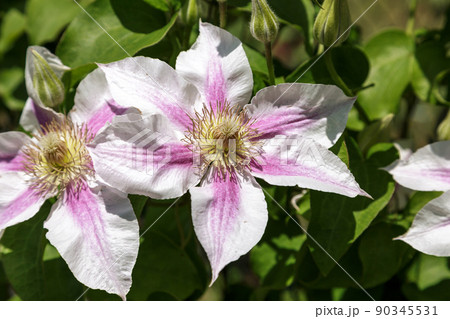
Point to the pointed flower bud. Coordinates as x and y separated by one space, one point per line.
43 73
189 13
264 22
443 130
332 22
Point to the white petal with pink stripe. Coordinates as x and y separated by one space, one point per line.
144 157
229 218
428 169
217 65
430 231
316 111
97 234
290 161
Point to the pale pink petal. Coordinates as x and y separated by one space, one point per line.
97 234
290 161
34 116
430 231
11 156
428 169
18 202
218 67
144 157
94 104
315 111
229 218
152 86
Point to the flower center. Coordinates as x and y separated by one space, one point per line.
57 157
223 140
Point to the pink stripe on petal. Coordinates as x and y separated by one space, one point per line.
428 169
215 83
11 145
217 65
96 232
314 111
223 213
229 218
305 163
20 208
84 208
12 163
284 121
34 116
144 157
173 111
152 86
104 115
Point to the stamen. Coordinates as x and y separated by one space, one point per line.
224 140
57 157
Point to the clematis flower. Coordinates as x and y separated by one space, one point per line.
428 169
199 135
92 225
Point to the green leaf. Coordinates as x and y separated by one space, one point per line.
428 271
337 221
60 284
351 64
47 18
22 251
166 5
257 60
431 59
419 200
85 42
273 260
162 266
391 56
428 278
10 80
12 27
381 256
138 202
138 16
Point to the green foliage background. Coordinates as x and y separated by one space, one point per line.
399 68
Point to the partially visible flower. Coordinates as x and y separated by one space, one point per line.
264 23
200 131
332 22
92 225
43 74
428 169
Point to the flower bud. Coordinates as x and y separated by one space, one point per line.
332 22
189 13
264 22
443 130
43 73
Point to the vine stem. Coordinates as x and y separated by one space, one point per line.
339 82
269 60
223 14
412 17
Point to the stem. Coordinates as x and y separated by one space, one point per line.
223 14
412 17
269 61
187 37
339 82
